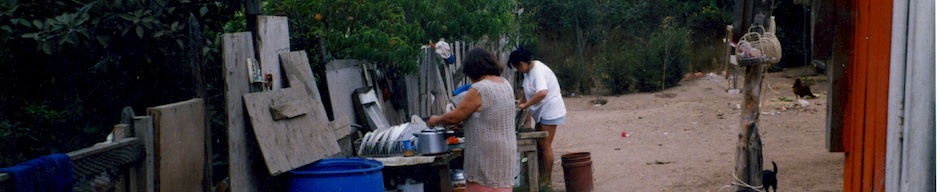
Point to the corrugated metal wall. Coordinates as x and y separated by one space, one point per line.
911 152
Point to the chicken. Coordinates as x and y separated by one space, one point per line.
802 90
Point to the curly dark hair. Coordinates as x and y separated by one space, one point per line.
519 55
479 62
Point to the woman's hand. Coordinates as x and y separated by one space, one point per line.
434 120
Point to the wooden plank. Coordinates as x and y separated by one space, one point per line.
296 66
521 142
424 89
411 94
837 89
840 118
441 95
341 127
725 58
448 78
237 48
179 126
878 97
101 148
862 63
143 130
121 131
855 115
289 109
532 135
273 38
290 143
533 169
343 77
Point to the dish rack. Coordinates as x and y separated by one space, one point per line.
388 142
758 47
381 148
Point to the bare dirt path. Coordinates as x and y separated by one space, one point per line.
686 143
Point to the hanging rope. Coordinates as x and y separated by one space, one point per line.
759 188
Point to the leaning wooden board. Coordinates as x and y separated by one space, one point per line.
273 38
237 48
178 131
289 143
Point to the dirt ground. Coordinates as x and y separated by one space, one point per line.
686 143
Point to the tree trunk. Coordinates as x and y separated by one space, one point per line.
749 156
253 9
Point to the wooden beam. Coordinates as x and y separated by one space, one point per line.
143 172
749 155
101 148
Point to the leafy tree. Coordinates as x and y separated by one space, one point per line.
620 37
70 66
391 32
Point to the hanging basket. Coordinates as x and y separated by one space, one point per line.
758 47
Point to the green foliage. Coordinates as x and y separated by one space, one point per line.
391 32
640 67
666 61
70 66
627 42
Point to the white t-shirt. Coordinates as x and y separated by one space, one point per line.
542 78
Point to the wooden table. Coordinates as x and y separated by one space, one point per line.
526 143
441 162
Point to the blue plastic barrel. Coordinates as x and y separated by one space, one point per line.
338 174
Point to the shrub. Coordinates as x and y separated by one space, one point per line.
648 66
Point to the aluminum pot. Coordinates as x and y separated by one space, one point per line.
431 141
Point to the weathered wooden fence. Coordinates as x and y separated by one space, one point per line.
165 148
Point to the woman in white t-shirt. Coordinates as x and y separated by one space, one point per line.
543 99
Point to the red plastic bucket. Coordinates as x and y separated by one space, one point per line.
579 172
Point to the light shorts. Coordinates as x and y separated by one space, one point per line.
558 121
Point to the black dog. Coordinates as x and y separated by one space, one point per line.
770 178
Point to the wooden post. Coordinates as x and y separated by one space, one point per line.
749 156
729 30
142 175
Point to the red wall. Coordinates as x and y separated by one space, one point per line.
867 104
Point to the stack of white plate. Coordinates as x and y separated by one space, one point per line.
388 142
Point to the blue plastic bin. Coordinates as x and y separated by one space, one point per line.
339 174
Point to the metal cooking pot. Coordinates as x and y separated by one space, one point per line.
431 141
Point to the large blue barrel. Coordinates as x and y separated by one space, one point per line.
338 174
